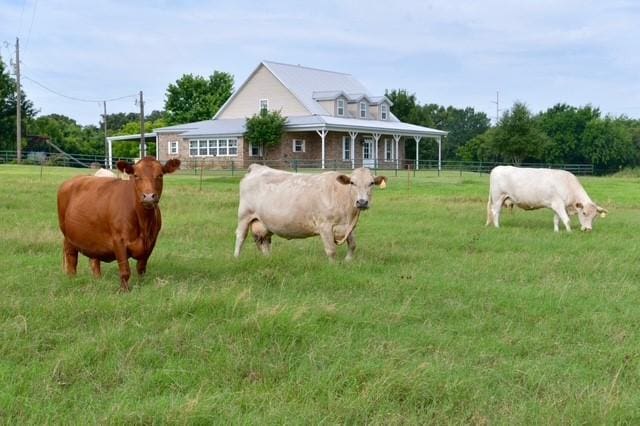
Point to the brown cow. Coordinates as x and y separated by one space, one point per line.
113 219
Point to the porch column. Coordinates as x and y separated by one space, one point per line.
376 137
322 133
417 138
353 148
157 148
110 152
396 139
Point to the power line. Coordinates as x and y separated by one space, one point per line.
73 98
33 17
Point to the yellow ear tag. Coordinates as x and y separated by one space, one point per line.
383 185
603 215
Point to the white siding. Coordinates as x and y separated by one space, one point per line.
263 85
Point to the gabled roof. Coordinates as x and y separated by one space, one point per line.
309 85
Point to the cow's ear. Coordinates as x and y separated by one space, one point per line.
579 206
381 181
603 212
171 166
125 167
344 179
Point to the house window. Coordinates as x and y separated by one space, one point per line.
363 110
340 107
255 150
298 145
233 147
202 148
264 106
389 150
213 147
384 112
173 147
346 148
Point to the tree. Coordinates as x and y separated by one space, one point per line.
195 98
265 128
67 134
565 126
518 136
8 104
608 144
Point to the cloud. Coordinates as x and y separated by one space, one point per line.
450 52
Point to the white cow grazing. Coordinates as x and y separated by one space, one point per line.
532 189
105 173
293 205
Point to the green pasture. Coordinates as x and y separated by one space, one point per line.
437 320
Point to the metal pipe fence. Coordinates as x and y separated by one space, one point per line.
218 166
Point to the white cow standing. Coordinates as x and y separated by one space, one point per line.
531 189
293 205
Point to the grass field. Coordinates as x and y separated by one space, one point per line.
437 320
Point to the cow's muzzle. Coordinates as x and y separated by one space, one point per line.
149 201
362 204
585 229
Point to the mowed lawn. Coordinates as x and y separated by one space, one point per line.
437 320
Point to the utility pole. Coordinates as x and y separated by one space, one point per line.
497 102
18 105
104 123
143 150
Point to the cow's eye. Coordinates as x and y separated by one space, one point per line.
372 183
352 183
136 176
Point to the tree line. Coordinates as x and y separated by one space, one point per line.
563 134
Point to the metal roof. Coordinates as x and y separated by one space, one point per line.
236 126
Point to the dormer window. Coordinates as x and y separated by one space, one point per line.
384 112
340 107
363 110
264 106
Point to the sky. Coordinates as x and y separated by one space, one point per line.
448 52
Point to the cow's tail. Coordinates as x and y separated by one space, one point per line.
489 213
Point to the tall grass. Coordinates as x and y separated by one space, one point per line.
437 320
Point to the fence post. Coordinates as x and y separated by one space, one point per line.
231 168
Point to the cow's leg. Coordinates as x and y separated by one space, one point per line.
241 234
95 267
123 265
262 237
495 211
560 213
141 266
329 242
489 213
70 258
263 242
351 243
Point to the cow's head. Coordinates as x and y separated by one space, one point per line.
361 183
587 214
147 178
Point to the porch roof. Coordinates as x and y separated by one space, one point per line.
236 127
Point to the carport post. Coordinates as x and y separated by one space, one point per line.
110 152
417 138
439 154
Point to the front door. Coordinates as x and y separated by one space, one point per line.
367 153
